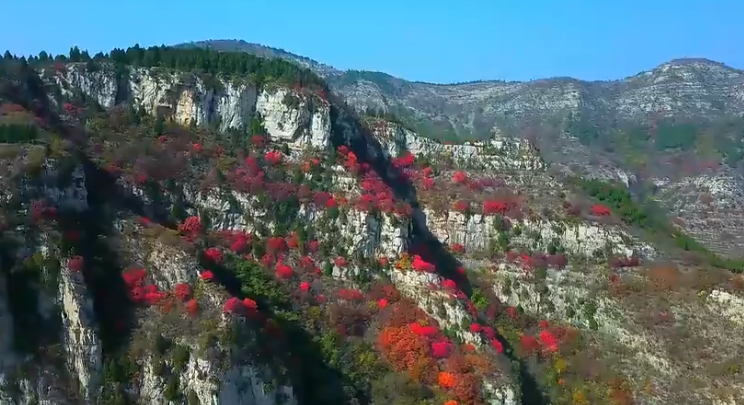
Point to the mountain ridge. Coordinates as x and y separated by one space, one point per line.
682 120
696 88
217 44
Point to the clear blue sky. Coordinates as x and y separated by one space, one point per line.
435 40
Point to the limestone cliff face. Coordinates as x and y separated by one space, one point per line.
63 301
81 342
475 232
303 122
288 115
206 375
77 378
630 324
500 154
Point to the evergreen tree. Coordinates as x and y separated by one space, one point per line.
75 55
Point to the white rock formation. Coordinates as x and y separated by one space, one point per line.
81 343
187 99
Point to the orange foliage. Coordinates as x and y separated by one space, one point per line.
402 347
403 344
446 380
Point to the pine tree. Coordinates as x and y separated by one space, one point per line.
75 55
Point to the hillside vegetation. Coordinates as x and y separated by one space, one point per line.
247 238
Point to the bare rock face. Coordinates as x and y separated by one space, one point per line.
82 344
288 115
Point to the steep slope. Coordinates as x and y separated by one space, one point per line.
680 123
191 238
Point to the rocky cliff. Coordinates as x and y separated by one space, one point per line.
681 87
606 130
328 259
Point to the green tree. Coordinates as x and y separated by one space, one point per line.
75 55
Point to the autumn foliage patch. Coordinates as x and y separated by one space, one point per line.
411 342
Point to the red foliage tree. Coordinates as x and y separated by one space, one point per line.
273 157
441 349
404 313
549 341
182 291
192 226
233 306
214 255
461 206
467 388
459 178
192 307
283 271
494 207
76 263
350 294
497 345
420 265
206 275
600 210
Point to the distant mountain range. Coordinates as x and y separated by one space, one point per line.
688 88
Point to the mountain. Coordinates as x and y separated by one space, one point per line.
182 226
675 133
682 88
